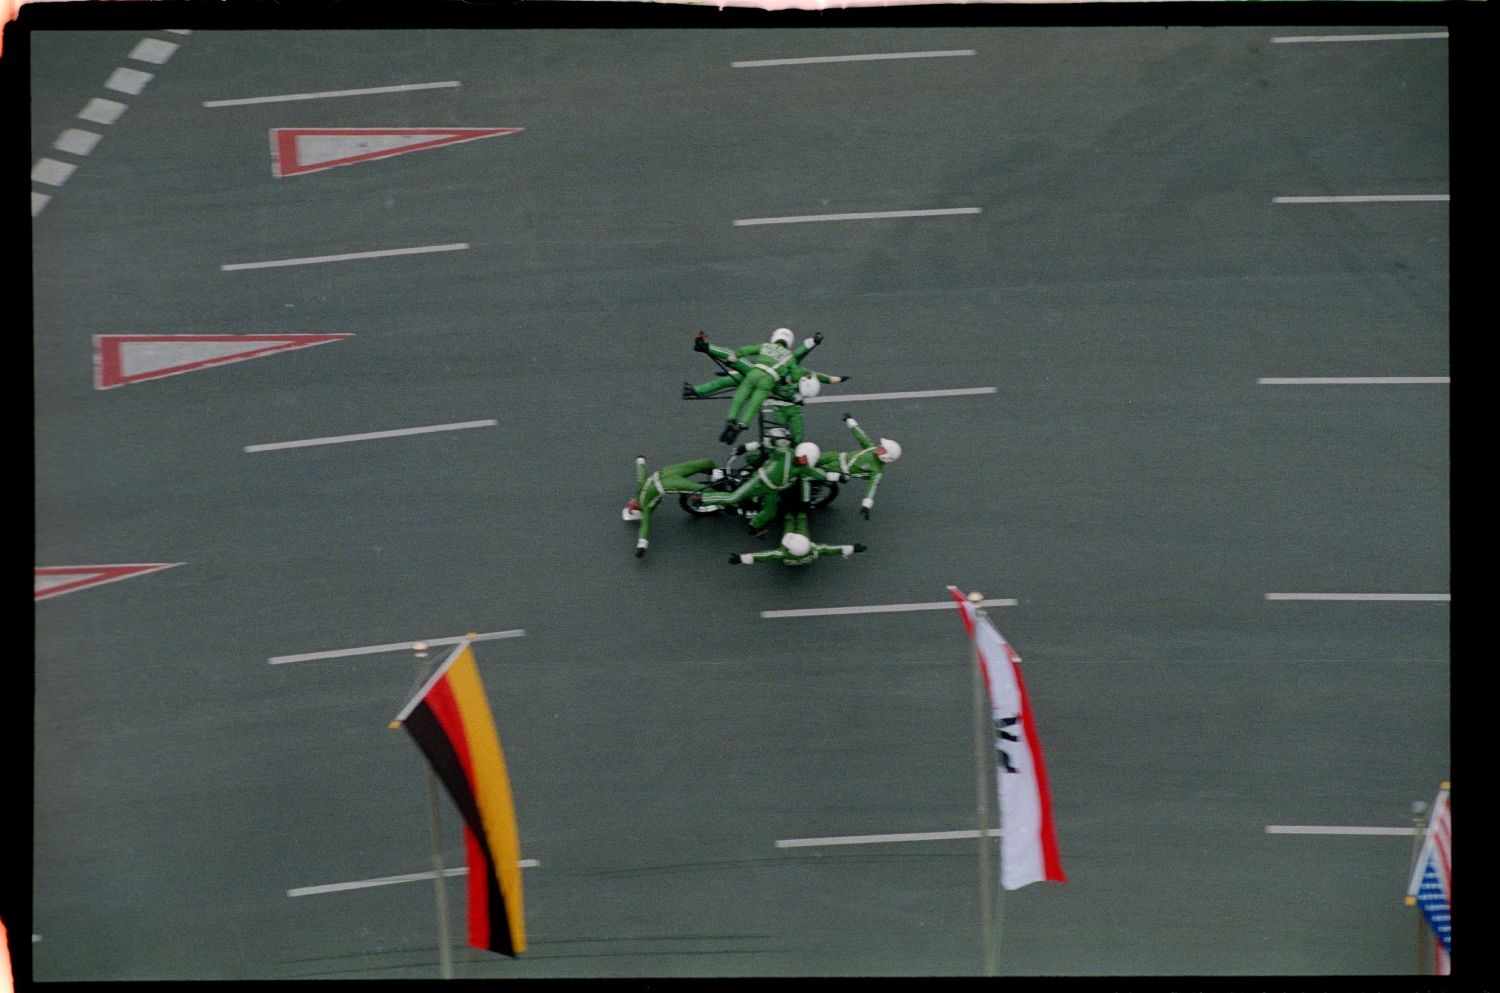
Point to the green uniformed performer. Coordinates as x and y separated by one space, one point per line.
785 398
782 468
675 478
762 367
797 547
868 462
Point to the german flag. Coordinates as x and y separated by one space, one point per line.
450 721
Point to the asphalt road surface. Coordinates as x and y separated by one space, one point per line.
1085 274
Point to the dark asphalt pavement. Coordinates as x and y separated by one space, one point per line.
1129 483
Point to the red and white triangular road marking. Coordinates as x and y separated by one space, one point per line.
131 358
59 579
298 150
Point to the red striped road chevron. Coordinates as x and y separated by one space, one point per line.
295 151
120 359
56 580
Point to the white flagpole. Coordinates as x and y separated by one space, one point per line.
1418 809
440 885
445 953
984 776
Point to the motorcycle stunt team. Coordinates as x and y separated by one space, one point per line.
784 465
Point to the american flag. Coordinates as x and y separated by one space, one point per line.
1431 886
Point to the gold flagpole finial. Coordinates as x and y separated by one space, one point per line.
976 597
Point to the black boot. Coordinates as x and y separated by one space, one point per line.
688 393
731 431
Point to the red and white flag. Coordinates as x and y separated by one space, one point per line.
1431 885
1028 841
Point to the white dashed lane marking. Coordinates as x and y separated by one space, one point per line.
410 877
878 839
1354 381
759 63
329 94
371 435
345 257
882 608
1365 597
868 216
399 646
906 395
99 110
1362 198
1412 36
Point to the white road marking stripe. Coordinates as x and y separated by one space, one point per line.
1317 829
51 172
1418 597
1390 198
398 646
875 215
875 839
315 259
131 81
908 395
850 58
884 608
39 202
76 141
101 111
410 877
327 94
1353 381
1286 39
153 50
397 433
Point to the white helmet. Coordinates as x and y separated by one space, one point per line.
892 450
783 336
798 544
807 450
778 435
809 386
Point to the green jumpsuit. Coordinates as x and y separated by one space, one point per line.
795 523
784 399
863 464
762 366
675 478
779 472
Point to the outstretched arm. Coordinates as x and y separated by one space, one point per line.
808 344
725 355
858 432
869 501
750 558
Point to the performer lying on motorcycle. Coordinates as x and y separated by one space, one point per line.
786 396
675 478
796 548
867 463
783 468
761 368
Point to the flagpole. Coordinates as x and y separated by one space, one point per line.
445 953
983 769
439 878
1418 808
